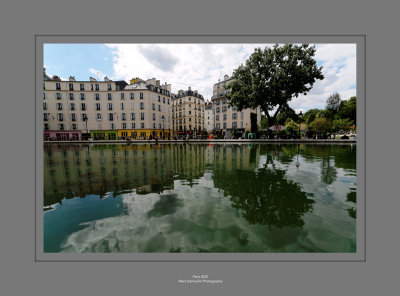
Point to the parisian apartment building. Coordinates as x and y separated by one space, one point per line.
208 117
228 119
188 112
106 109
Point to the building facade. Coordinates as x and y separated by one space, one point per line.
209 117
106 109
228 121
188 112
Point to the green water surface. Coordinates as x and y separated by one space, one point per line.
199 198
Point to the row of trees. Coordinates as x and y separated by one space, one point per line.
338 116
271 77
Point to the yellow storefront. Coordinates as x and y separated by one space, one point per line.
144 134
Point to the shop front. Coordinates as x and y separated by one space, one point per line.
104 135
62 135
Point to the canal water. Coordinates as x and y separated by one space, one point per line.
190 198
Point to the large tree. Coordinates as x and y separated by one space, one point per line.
271 77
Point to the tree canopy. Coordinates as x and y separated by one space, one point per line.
271 77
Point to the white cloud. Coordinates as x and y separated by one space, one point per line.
201 65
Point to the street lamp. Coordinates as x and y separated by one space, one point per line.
300 116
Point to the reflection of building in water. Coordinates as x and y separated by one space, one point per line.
79 170
189 161
234 157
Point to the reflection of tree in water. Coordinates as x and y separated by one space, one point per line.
352 197
265 197
328 171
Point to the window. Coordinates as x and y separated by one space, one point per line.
83 106
224 116
142 125
132 96
73 117
45 116
234 108
98 116
154 106
133 125
61 126
168 101
190 112
159 125
110 116
44 96
71 96
132 106
59 106
60 117
110 107
159 107
154 125
109 96
44 106
154 116
99 126
71 86
123 116
44 85
84 117
217 117
73 126
58 96
234 115
82 86
108 86
141 96
98 106
234 124
122 96
241 115
241 124
72 106
141 105
163 100
97 97
133 116
122 106
112 126
58 86
159 99
217 110
97 86
141 116
190 105
124 125
224 125
223 108
82 96
46 126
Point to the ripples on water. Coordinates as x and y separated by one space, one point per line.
200 198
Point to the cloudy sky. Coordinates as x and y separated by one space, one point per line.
196 65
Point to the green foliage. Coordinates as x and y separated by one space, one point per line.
342 124
309 116
291 127
320 125
285 114
264 122
333 103
271 77
321 114
348 109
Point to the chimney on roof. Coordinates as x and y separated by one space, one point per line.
189 88
92 79
106 79
72 78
